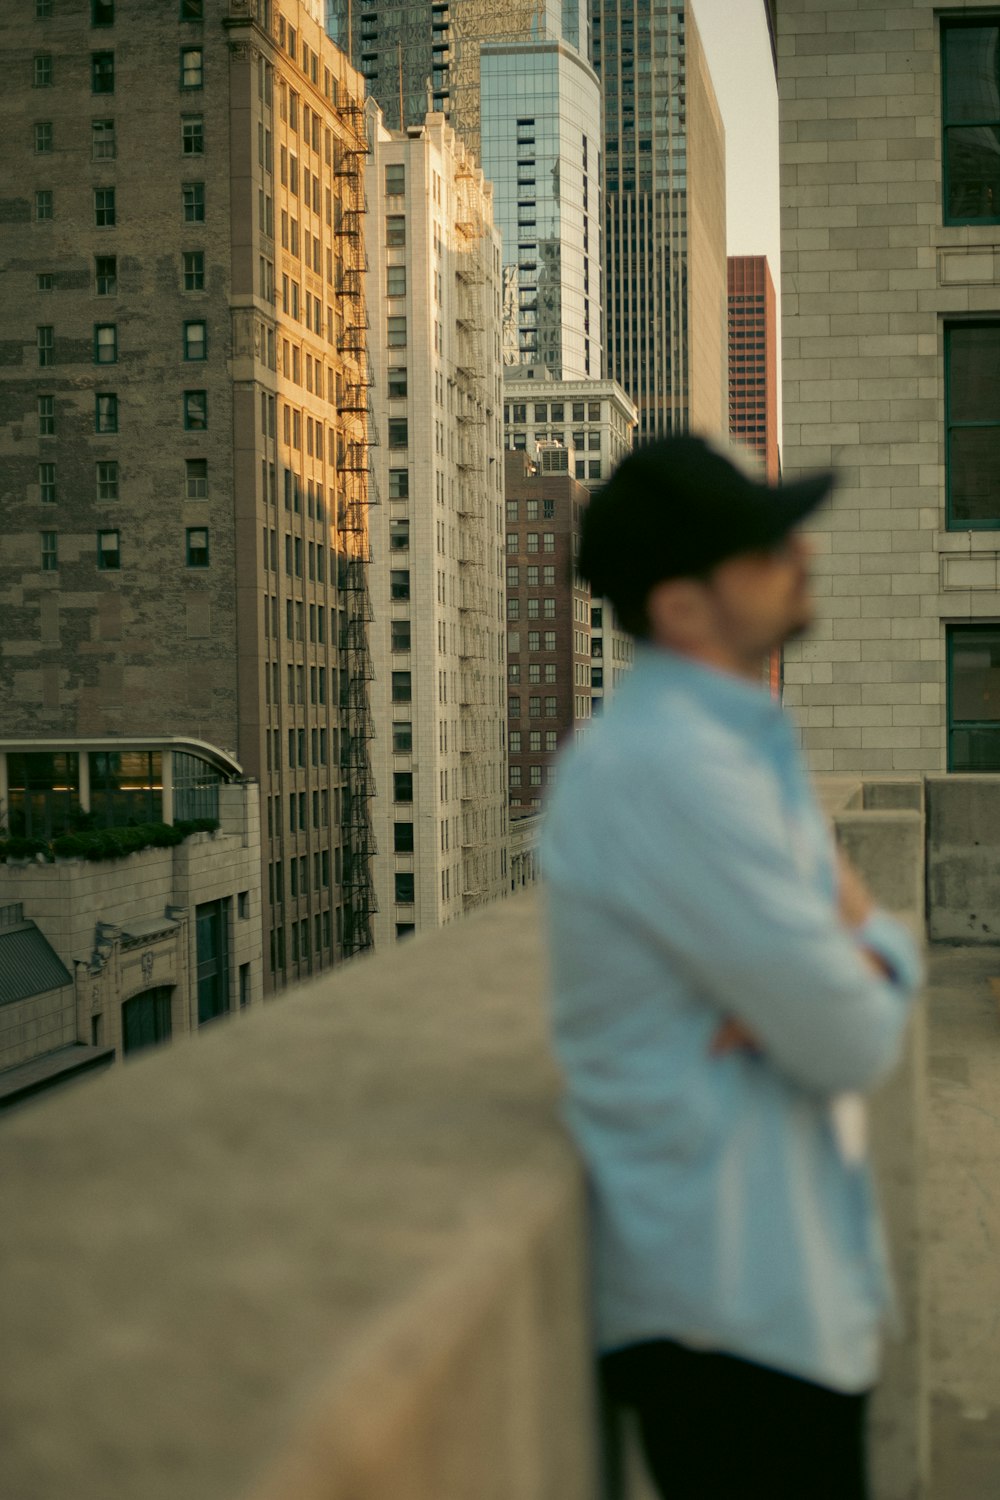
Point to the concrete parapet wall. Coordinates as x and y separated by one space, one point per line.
334 1251
963 858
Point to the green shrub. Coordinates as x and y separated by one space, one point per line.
107 843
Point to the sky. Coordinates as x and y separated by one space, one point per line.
734 35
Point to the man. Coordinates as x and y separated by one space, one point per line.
724 991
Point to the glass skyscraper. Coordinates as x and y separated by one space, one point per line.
512 78
541 148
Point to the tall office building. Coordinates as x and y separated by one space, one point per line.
540 111
514 81
753 360
665 215
437 536
184 434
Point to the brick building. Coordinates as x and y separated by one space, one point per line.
183 416
548 625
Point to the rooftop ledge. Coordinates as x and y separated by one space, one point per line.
334 1248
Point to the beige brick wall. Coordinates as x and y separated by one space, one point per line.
868 273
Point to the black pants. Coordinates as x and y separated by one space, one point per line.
718 1428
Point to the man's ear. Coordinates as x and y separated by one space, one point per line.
676 611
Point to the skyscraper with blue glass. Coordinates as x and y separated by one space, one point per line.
514 80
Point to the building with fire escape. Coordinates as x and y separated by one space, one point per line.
186 430
437 581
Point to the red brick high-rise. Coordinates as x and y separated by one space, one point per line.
753 359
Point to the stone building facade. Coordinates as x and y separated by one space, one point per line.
152 945
182 443
891 319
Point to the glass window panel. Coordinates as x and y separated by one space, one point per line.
974 475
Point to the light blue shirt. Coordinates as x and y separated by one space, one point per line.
690 877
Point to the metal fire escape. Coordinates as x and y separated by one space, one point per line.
470 412
356 436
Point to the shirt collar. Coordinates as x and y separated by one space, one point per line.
736 698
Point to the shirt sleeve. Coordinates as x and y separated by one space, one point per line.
703 855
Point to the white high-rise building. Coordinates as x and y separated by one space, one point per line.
438 642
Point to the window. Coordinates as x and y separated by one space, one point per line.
50 551
192 10
515 775
105 343
193 135
102 139
397 382
513 575
195 411
550 640
395 332
972 415
550 708
398 432
43 137
402 786
43 10
399 535
102 12
399 635
402 689
192 68
193 264
197 546
194 340
973 699
970 115
105 412
534 638
193 197
107 480
514 708
102 72
395 230
549 541
43 204
44 281
45 335
106 275
395 179
399 583
104 208
42 71
395 281
532 542
46 416
402 840
399 484
196 478
47 483
109 557
402 737
404 887
512 510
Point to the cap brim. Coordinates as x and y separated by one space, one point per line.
789 504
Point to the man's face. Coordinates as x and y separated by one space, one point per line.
762 599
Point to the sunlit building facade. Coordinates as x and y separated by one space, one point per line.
184 440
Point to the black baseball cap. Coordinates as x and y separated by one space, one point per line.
675 508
